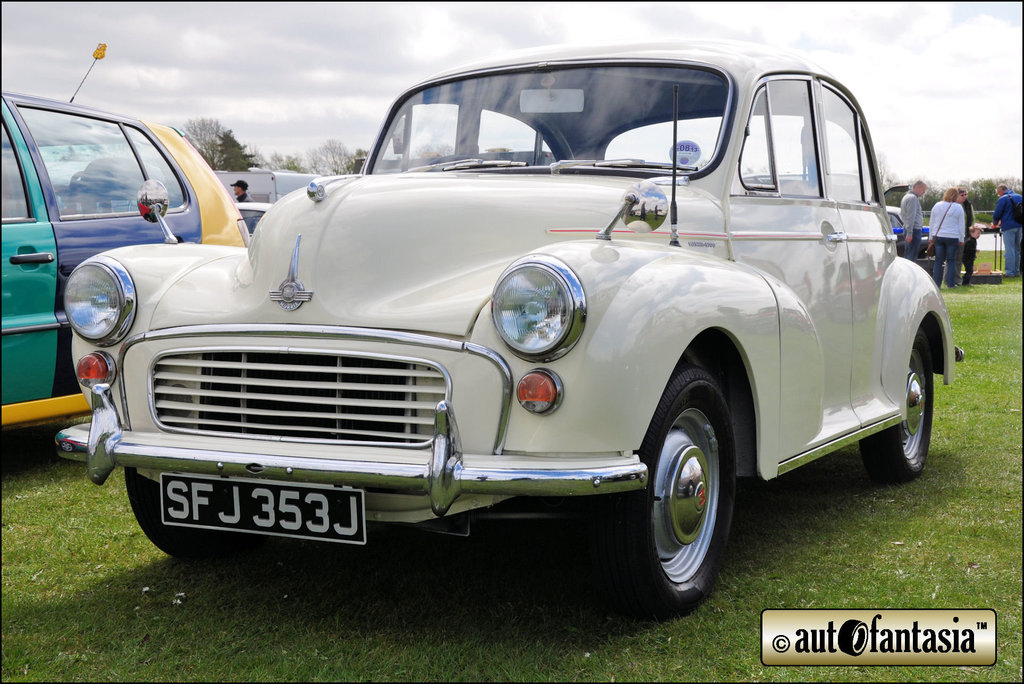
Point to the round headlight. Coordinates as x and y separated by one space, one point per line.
99 300
539 308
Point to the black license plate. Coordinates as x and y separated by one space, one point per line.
307 511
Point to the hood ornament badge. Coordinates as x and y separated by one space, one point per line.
291 295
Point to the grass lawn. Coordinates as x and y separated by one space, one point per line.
87 597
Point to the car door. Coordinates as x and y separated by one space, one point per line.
29 276
782 223
850 181
90 167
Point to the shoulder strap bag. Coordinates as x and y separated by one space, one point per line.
932 234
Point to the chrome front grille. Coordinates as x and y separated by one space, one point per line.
303 396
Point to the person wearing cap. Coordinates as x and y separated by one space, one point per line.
241 191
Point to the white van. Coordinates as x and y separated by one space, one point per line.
265 185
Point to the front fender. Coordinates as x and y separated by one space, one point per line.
645 305
156 269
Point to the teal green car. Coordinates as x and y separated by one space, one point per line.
70 179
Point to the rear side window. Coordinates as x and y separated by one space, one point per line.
842 145
15 203
156 167
92 166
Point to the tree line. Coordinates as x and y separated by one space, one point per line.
980 192
223 151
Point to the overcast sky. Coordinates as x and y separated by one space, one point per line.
940 83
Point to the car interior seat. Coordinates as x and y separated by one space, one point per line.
106 185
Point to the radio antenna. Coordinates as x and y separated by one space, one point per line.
99 53
673 216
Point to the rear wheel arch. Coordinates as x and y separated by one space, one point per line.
898 453
933 331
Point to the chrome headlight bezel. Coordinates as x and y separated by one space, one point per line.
104 277
570 300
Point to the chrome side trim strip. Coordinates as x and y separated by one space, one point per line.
829 447
33 328
779 235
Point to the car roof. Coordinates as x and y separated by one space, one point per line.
30 100
737 57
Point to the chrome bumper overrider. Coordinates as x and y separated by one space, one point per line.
442 479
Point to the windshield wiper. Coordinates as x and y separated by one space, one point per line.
615 163
462 164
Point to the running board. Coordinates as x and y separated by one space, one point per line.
828 447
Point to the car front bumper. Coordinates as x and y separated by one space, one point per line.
443 477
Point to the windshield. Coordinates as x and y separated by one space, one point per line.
547 115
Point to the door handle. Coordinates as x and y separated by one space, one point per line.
838 236
33 258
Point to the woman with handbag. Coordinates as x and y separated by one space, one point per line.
946 236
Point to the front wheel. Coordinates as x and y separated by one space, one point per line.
182 542
897 454
658 551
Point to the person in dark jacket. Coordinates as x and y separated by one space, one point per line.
1002 218
241 191
970 252
968 222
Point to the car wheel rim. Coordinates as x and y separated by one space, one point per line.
686 495
916 400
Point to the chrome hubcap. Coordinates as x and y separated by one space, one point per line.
686 495
917 402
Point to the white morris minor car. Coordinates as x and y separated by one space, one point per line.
619 277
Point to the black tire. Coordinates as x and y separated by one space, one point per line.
656 554
898 453
182 542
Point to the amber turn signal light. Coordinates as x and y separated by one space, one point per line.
540 391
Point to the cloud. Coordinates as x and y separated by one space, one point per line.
940 94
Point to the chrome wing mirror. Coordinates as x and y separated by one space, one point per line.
153 202
644 208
